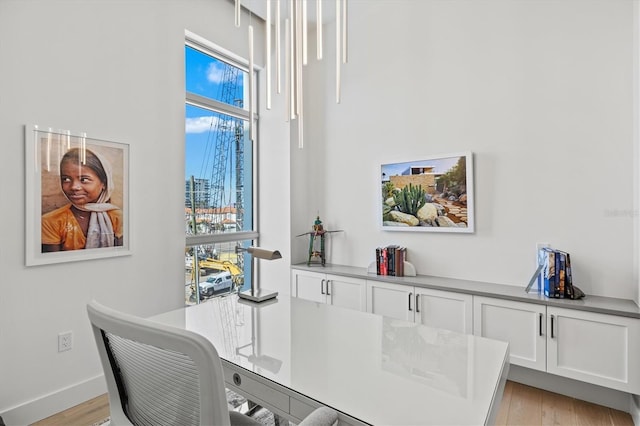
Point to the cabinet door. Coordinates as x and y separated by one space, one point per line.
390 300
596 348
520 324
308 285
346 292
444 309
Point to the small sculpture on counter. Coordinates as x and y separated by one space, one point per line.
316 243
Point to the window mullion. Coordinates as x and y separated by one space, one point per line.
212 104
194 240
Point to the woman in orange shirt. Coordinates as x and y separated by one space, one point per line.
90 220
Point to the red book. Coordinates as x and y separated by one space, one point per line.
385 262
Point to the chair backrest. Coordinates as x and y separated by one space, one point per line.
156 374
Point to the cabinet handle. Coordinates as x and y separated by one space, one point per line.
417 303
322 286
328 284
552 336
540 326
410 297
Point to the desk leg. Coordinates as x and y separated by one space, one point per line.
280 421
252 408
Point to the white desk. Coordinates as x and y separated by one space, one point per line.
293 355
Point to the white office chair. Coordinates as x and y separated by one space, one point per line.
162 375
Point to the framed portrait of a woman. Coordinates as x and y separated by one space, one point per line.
77 198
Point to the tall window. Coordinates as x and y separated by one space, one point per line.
219 196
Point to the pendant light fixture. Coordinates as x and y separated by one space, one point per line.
293 56
251 83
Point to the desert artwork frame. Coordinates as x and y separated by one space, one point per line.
429 194
50 207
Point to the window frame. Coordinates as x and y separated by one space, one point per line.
206 47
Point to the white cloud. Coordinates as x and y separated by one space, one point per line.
215 73
200 124
208 123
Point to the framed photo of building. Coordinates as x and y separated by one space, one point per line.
430 194
77 197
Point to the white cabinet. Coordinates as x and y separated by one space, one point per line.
308 285
435 308
390 300
591 347
445 309
331 289
596 348
521 324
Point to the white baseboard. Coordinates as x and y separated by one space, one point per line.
47 405
576 389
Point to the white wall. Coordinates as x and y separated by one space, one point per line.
115 70
540 91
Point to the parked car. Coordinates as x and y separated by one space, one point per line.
216 284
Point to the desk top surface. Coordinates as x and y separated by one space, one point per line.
377 369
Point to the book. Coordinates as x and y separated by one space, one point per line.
549 272
393 259
556 276
561 273
384 262
390 260
568 277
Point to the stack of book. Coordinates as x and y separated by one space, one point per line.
557 281
390 260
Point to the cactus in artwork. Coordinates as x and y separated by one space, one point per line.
387 190
410 199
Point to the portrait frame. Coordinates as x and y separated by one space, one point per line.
44 149
444 182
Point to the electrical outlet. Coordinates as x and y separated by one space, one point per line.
65 341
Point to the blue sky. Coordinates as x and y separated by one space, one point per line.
203 75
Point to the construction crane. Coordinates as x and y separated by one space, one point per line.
229 133
226 130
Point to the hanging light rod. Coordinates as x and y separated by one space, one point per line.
292 55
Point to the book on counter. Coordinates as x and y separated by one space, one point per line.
390 260
549 271
556 273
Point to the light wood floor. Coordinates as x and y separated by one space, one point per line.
526 405
521 405
86 414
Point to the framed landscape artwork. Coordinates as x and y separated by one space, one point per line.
430 194
77 197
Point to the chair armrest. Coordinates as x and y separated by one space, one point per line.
323 416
